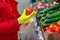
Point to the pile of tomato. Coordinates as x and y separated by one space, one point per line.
53 28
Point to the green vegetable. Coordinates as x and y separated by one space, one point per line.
45 14
57 14
47 24
43 18
53 11
51 8
52 20
41 15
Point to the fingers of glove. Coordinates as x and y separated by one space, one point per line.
24 13
29 20
31 15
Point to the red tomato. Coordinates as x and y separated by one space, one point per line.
53 28
59 30
29 10
53 25
46 28
58 23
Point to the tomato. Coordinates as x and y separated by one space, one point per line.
59 30
29 10
46 28
58 23
53 25
53 28
49 29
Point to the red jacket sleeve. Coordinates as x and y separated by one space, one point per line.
9 27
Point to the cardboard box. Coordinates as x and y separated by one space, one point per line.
52 36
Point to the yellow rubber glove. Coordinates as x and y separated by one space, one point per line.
25 17
28 21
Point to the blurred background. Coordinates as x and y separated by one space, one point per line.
22 5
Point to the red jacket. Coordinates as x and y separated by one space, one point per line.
8 20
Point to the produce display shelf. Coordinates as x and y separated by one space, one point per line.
41 28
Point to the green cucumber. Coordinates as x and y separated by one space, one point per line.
41 15
50 12
43 18
45 25
40 12
51 8
57 14
48 24
53 11
52 20
49 15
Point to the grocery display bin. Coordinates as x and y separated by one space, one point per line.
41 28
